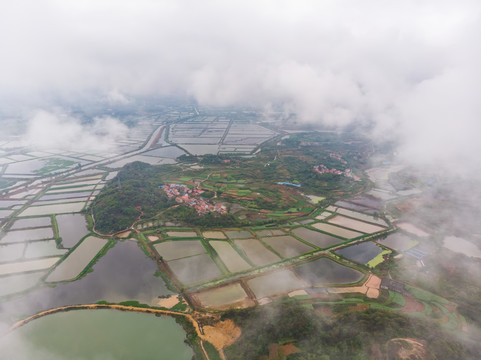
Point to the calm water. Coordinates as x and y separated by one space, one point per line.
124 273
361 253
97 334
72 228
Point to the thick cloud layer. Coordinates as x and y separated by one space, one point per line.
409 67
58 131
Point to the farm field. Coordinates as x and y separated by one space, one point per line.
323 271
77 260
231 259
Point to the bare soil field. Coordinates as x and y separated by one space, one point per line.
412 306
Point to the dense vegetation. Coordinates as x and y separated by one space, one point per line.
251 183
350 335
188 215
132 192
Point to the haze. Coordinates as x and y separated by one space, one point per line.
409 70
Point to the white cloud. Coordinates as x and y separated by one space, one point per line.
332 62
47 130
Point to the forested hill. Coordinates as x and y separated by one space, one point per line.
134 189
370 334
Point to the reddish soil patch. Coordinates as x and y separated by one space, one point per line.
412 306
288 349
450 308
222 334
359 307
376 353
277 352
406 349
325 311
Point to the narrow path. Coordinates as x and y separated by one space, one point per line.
116 307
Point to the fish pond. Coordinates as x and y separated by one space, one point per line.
361 253
171 250
257 253
336 230
355 224
316 237
222 296
77 260
71 228
232 260
53 209
195 269
324 271
275 283
287 246
398 241
124 273
26 235
32 222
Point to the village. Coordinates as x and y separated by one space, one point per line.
322 169
191 197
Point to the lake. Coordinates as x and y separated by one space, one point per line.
97 334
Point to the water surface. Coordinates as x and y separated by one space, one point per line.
97 334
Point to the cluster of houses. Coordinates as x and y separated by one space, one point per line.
322 169
190 197
337 157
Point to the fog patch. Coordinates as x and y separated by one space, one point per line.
49 130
